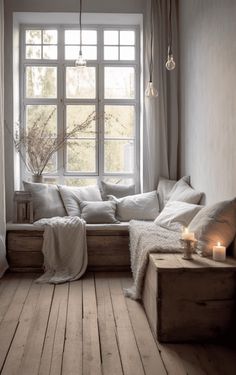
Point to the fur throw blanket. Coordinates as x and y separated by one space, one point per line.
145 238
64 249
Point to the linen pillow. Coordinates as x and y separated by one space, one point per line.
119 191
98 212
184 193
46 200
215 223
138 207
164 188
177 214
72 196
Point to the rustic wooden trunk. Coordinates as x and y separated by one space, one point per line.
189 300
107 250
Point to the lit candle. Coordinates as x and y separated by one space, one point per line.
219 252
186 235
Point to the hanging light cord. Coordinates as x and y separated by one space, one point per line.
151 57
80 24
170 27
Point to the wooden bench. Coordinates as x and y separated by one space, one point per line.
107 249
189 300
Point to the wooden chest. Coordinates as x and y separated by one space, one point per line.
189 300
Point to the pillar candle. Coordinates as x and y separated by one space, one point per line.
219 252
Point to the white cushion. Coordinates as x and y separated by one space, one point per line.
119 191
164 188
215 223
177 214
138 207
184 193
72 196
98 212
46 200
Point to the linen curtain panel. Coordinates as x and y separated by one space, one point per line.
3 262
160 131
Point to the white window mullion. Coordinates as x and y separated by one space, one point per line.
61 104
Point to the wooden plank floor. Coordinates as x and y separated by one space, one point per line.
88 327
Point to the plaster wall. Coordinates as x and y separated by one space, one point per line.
208 96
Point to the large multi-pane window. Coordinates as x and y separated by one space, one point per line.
53 88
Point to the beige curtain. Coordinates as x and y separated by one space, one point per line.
160 133
3 262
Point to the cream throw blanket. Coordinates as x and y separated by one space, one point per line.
148 238
64 249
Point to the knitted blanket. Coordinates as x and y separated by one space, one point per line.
146 238
64 249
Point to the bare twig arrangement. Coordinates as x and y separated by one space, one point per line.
37 144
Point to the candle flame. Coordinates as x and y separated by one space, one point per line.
218 243
185 230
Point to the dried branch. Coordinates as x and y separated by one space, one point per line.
37 144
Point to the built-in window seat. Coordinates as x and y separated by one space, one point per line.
108 246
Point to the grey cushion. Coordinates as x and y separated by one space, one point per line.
138 207
98 212
46 200
117 190
184 193
164 188
72 196
177 214
215 223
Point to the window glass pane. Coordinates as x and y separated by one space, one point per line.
50 36
111 53
81 82
50 52
119 83
73 181
81 156
119 180
89 37
89 52
33 52
127 37
71 52
51 166
119 156
127 53
43 118
72 36
119 121
41 82
33 37
41 125
111 37
78 114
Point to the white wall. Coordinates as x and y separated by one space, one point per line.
208 96
11 6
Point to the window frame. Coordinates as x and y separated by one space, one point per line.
61 101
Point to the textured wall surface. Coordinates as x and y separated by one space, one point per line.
208 96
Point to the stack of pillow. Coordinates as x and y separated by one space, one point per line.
174 204
179 205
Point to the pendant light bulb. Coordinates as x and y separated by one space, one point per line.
170 63
151 91
80 61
